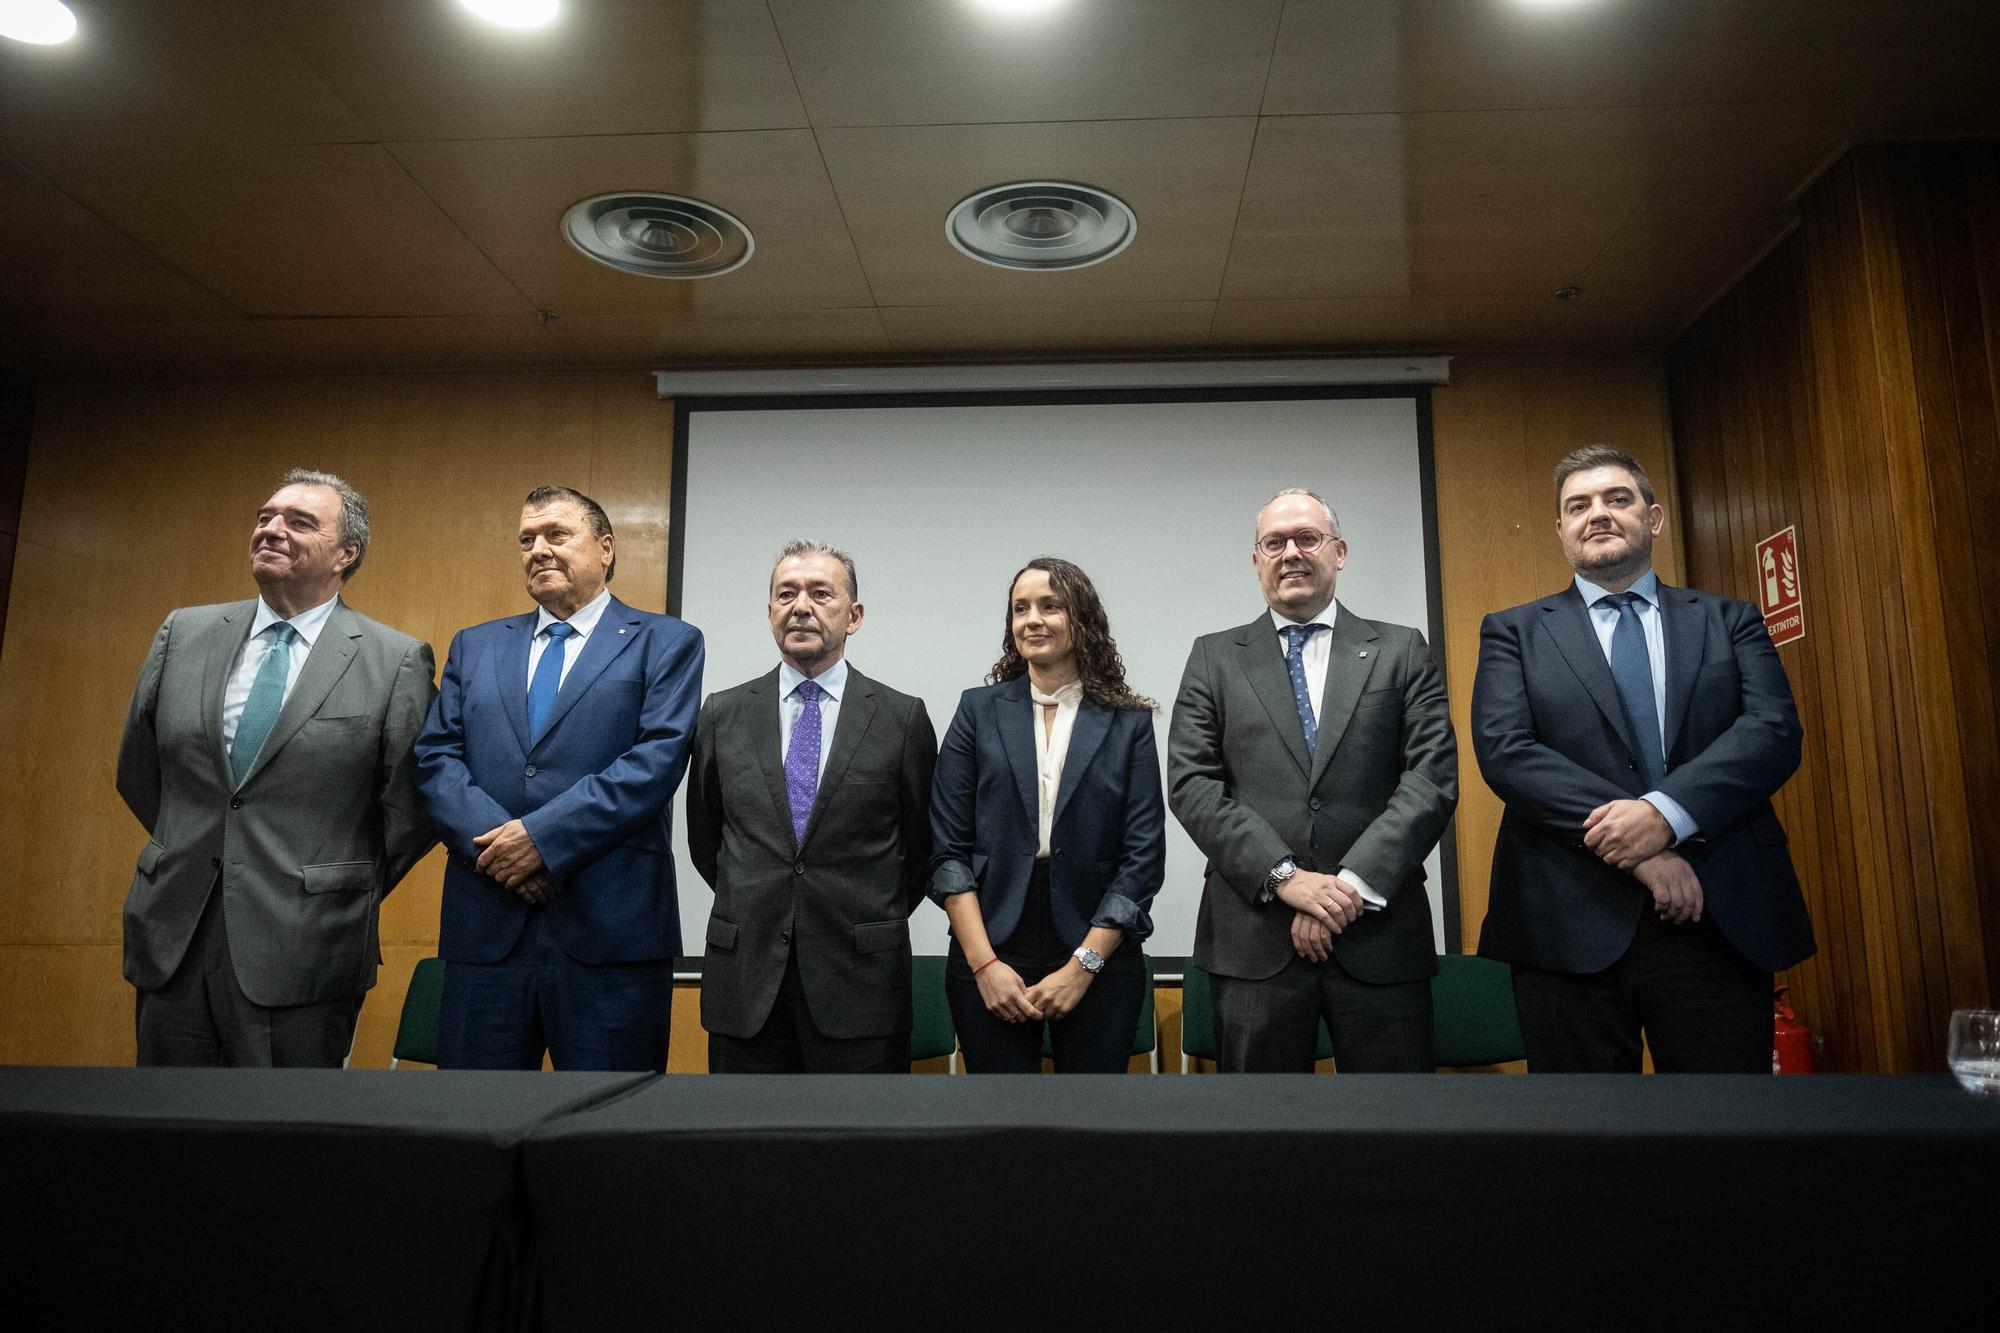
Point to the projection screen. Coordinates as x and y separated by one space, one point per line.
941 498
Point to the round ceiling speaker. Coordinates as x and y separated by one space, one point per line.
658 235
1041 225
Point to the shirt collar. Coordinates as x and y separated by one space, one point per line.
1648 588
833 680
586 617
1325 617
307 624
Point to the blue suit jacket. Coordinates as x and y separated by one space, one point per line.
1107 849
1553 742
593 792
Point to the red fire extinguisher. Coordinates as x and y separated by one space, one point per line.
1791 1040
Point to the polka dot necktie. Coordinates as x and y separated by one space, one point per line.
1295 663
802 759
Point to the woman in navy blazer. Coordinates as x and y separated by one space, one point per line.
1049 837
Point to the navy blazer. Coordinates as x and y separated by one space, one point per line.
1554 744
593 792
1107 846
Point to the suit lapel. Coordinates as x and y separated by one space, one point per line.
223 644
1347 668
1568 623
1263 665
1086 737
1685 629
615 632
857 710
765 738
1014 712
339 640
514 675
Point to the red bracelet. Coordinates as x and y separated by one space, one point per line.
988 963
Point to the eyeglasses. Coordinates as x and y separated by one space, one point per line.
1273 545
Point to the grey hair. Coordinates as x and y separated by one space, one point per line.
803 547
1593 456
1331 517
353 511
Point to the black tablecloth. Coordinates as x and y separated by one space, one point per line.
244 1199
1235 1201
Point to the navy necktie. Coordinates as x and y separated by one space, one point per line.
267 696
548 678
1632 669
1295 665
802 759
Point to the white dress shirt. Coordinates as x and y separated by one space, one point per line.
1318 651
1604 619
250 658
583 622
1051 748
790 707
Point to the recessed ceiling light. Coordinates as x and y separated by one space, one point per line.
1040 225
1021 8
43 22
658 235
514 13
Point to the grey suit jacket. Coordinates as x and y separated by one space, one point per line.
1374 796
322 827
842 897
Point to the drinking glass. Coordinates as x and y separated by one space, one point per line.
1974 1050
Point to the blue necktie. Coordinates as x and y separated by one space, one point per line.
267 696
548 678
802 759
1295 663
1632 669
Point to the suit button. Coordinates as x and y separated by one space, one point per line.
1630 765
215 861
799 869
1314 802
784 937
531 770
1059 853
236 803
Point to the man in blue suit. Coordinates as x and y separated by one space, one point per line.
548 761
1636 731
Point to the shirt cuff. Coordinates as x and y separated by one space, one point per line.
1676 815
1371 901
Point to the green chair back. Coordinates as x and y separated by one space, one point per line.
1473 1019
417 1029
1198 1018
931 1034
1144 1036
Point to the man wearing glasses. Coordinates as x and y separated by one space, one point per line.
1311 758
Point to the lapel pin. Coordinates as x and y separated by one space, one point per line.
1364 652
621 631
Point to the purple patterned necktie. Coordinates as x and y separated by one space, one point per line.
802 759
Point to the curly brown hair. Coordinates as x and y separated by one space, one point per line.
1098 664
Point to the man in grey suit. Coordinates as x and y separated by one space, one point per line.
809 814
267 752
1311 759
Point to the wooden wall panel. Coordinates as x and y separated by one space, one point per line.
139 496
1846 387
17 416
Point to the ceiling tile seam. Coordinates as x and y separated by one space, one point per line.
453 222
127 236
1271 59
791 67
1236 221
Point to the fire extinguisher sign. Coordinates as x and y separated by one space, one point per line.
1778 586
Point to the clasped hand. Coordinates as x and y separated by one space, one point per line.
1624 833
1007 997
509 855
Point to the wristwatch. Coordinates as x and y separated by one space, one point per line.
1280 872
1092 960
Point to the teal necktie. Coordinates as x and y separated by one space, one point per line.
267 696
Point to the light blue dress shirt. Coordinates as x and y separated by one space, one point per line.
250 658
1604 619
583 622
834 681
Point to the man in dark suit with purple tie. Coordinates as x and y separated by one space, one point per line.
1636 731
